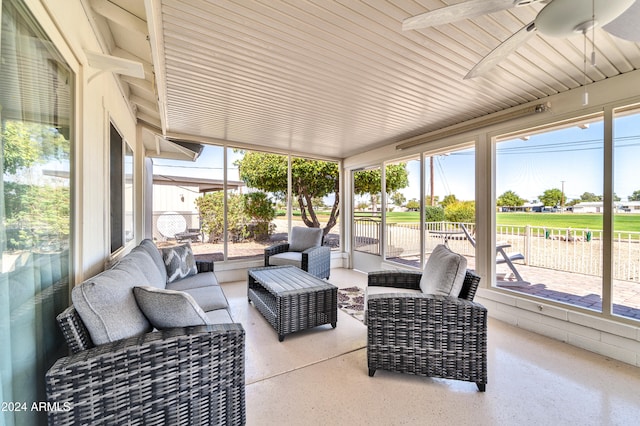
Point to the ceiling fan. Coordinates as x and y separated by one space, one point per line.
558 18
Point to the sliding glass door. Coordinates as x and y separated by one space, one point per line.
36 109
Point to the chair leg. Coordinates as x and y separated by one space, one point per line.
372 371
481 386
510 264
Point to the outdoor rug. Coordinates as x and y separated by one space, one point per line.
351 301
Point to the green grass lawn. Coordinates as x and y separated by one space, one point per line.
394 217
622 222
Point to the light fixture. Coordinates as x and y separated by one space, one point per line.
475 124
564 18
113 64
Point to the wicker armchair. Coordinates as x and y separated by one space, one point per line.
425 334
179 376
304 250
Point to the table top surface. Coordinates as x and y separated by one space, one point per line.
281 280
452 232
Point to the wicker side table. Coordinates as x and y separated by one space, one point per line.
291 299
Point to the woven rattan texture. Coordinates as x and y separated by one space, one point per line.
182 376
304 302
427 335
75 333
316 260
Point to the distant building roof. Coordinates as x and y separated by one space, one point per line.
203 184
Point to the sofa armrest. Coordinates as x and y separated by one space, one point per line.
317 261
435 307
274 249
400 279
191 375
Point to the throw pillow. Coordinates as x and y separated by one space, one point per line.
179 262
303 238
444 272
169 308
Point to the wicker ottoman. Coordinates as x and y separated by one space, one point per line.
291 299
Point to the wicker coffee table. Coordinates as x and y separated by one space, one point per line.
291 299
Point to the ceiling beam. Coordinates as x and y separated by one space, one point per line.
144 104
151 120
148 69
140 84
120 16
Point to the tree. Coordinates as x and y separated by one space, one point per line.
312 179
551 197
427 200
258 206
590 197
370 181
510 199
398 198
635 196
448 200
27 144
413 205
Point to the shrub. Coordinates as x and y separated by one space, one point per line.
461 211
433 214
211 208
259 207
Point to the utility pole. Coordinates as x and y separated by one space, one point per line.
562 198
431 180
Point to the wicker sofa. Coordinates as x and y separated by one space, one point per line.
189 374
434 335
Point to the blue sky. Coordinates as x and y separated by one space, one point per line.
528 167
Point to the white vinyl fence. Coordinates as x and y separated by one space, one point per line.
570 250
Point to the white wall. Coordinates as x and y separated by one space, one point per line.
175 198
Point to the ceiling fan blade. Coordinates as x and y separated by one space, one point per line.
627 25
456 12
502 51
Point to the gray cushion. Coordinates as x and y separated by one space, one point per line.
148 246
302 238
219 316
374 289
287 258
179 262
108 307
444 272
202 279
168 308
208 298
143 261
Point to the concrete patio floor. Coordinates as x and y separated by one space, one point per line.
319 377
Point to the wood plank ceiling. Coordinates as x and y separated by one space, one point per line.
337 78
